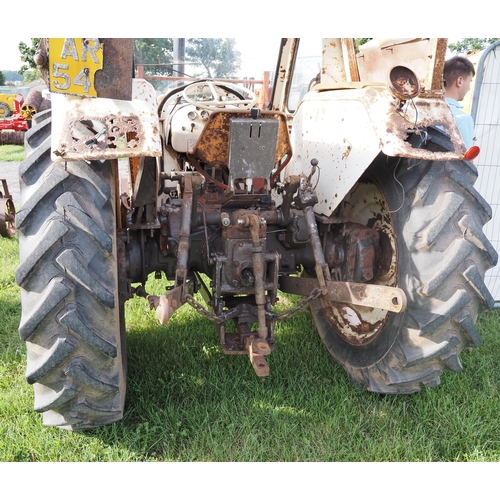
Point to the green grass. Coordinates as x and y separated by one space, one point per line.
11 153
187 401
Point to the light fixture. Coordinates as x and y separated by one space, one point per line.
403 83
472 153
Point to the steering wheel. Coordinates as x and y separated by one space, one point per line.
214 95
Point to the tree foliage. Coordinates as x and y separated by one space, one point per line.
462 46
467 45
12 76
211 57
29 70
155 54
361 41
216 57
2 78
27 55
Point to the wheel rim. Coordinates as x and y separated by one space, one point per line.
366 205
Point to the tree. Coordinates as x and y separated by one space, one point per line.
156 55
467 45
12 76
2 78
216 55
27 55
361 41
29 70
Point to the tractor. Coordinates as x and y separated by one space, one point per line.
8 104
350 188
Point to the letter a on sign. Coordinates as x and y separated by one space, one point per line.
73 63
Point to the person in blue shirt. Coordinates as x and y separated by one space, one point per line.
458 74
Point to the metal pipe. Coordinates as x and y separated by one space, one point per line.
184 233
253 222
322 271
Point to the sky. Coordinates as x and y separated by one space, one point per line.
255 22
266 54
10 58
263 48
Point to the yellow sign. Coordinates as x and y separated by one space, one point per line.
73 63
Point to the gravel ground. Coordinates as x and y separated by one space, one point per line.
9 170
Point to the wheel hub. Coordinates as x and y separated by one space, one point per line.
361 251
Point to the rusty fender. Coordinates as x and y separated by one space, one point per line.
345 127
105 129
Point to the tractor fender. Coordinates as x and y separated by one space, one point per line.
345 129
99 128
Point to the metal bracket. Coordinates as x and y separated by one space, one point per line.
258 348
380 297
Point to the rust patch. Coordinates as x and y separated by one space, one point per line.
103 134
213 145
7 212
437 75
114 81
349 325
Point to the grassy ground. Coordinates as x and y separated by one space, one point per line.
11 153
187 401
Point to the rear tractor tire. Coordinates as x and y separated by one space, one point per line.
72 319
432 218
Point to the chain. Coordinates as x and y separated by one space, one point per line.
290 313
202 310
302 304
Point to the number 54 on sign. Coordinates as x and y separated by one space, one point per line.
73 63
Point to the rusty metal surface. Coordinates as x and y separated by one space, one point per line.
393 121
424 56
288 52
349 49
41 59
436 80
256 349
387 298
419 114
213 145
403 82
97 136
359 245
96 129
7 212
334 65
114 81
255 223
